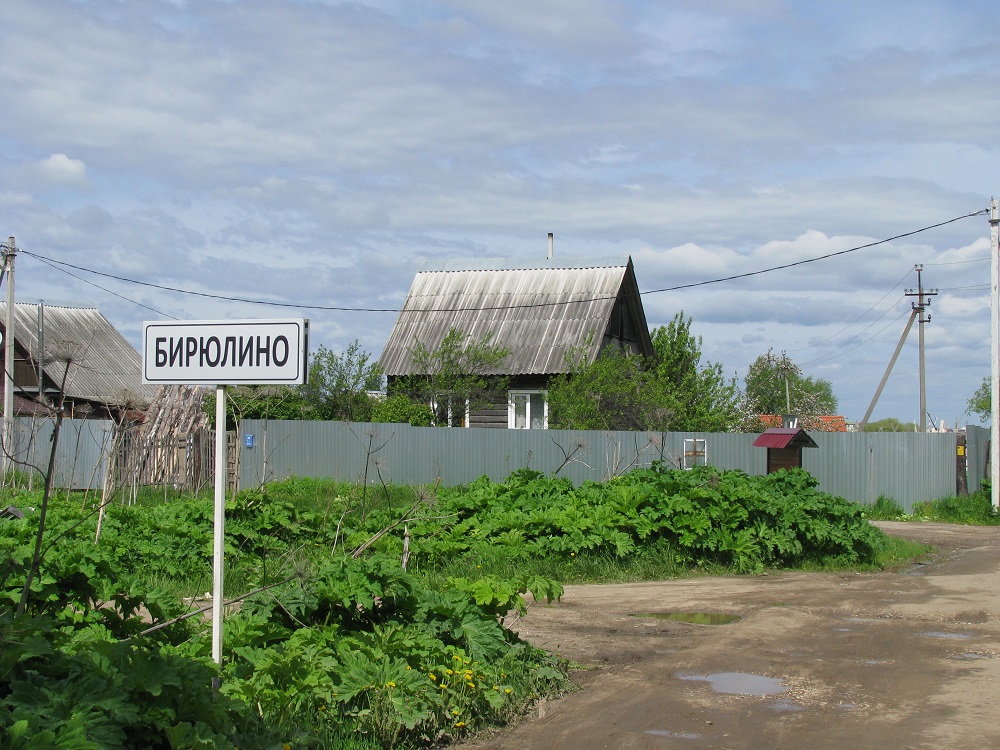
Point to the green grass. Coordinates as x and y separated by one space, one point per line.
974 509
885 509
898 552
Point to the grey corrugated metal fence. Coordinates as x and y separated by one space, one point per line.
81 453
85 445
908 467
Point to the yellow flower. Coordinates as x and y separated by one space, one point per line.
322 708
455 711
432 675
459 723
390 684
471 684
508 690
286 746
448 671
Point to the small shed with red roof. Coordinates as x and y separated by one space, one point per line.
784 447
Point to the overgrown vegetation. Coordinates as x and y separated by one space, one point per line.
774 384
340 646
671 390
975 508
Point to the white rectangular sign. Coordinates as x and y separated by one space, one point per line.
225 352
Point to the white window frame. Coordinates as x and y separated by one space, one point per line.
528 392
697 450
451 412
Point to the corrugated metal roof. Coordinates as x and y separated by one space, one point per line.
104 367
539 310
784 437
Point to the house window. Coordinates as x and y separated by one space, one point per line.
451 413
527 410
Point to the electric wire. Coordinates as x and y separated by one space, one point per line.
827 358
978 287
820 257
340 308
51 264
958 262
857 319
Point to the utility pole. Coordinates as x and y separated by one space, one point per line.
888 370
995 353
920 306
8 363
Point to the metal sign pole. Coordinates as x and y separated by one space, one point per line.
221 353
220 520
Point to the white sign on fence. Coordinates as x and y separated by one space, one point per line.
225 352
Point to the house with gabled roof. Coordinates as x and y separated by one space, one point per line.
73 355
544 312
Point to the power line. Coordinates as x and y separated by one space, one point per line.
827 357
958 262
862 315
978 287
339 308
103 289
821 257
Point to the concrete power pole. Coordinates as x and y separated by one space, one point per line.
920 306
995 353
8 363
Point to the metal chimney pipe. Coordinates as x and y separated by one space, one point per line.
550 245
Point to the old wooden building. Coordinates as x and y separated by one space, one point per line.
543 312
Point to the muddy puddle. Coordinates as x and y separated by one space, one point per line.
739 683
693 618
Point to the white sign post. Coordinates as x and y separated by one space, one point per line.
221 353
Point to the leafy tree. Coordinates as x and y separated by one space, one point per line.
460 371
401 409
259 402
698 397
614 392
338 384
776 385
889 424
672 390
981 403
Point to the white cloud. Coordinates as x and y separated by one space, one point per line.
62 170
315 152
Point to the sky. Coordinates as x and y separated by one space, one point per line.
310 155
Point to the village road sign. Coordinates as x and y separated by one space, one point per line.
226 352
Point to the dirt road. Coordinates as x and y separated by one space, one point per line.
909 659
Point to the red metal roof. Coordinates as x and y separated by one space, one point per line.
783 437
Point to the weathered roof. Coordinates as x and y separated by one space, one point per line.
103 368
540 310
784 437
